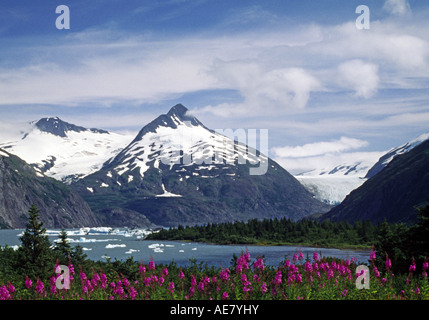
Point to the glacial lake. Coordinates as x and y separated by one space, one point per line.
122 243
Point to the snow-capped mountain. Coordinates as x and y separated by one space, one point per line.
65 151
177 171
394 152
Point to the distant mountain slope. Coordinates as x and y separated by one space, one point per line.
391 194
394 152
65 151
168 174
331 184
21 186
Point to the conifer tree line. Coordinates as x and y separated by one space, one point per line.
401 242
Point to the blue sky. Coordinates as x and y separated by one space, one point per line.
298 68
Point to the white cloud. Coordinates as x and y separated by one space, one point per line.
397 7
263 91
360 76
319 148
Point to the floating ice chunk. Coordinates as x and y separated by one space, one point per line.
111 246
131 251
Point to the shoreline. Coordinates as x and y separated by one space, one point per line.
272 244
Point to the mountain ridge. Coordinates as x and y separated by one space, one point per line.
177 171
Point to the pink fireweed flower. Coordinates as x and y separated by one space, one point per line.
278 278
287 264
201 286
161 281
133 293
388 262
165 272
225 274
376 272
126 282
315 256
344 293
191 291
259 264
28 283
301 256
53 288
171 287
83 276
40 288
412 267
71 269
264 287
247 288
247 256
372 255
10 287
243 262
181 275
103 279
330 274
4 293
193 281
225 296
142 269
151 265
95 279
308 267
425 268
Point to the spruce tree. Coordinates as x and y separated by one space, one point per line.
35 255
63 247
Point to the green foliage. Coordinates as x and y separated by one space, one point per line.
277 231
403 243
35 255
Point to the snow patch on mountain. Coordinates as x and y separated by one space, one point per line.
69 156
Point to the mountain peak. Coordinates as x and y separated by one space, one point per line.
58 127
176 116
178 110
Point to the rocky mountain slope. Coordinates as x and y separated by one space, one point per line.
21 186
